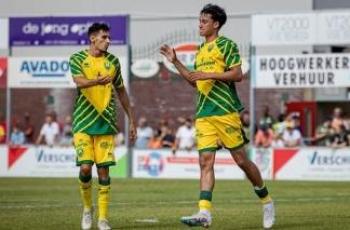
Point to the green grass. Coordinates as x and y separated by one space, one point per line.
55 204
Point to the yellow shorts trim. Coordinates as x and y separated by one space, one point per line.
220 131
97 149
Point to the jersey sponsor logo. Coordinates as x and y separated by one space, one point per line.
205 63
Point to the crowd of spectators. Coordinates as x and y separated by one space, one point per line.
52 133
164 136
285 131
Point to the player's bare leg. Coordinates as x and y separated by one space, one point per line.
253 174
207 182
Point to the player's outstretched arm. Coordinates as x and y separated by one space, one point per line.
170 54
83 82
233 74
124 100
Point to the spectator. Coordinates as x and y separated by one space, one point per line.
28 129
168 139
338 119
156 141
164 127
266 119
277 141
67 134
49 132
185 136
2 129
17 136
291 136
324 132
279 126
296 120
341 138
264 136
144 134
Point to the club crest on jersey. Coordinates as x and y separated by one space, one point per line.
86 65
107 65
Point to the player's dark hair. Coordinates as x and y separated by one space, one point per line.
217 13
96 27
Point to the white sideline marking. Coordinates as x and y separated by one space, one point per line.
38 203
151 220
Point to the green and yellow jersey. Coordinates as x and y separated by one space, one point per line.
217 97
95 107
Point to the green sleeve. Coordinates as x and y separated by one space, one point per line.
75 65
118 80
231 54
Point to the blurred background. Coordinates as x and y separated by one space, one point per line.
295 87
296 92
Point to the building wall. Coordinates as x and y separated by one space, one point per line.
153 22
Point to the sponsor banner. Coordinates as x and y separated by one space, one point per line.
186 53
302 71
333 27
4 35
283 29
29 161
28 31
3 159
263 158
319 28
3 72
312 164
47 72
163 164
145 68
39 72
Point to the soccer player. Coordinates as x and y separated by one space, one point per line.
97 75
217 68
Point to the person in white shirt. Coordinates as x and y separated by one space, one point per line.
49 132
291 136
144 134
185 136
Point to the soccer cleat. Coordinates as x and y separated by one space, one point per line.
103 225
269 215
86 221
199 219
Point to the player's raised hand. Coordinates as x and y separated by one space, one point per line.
168 52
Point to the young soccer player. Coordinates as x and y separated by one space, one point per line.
217 68
97 75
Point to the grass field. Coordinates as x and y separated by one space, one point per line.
158 204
